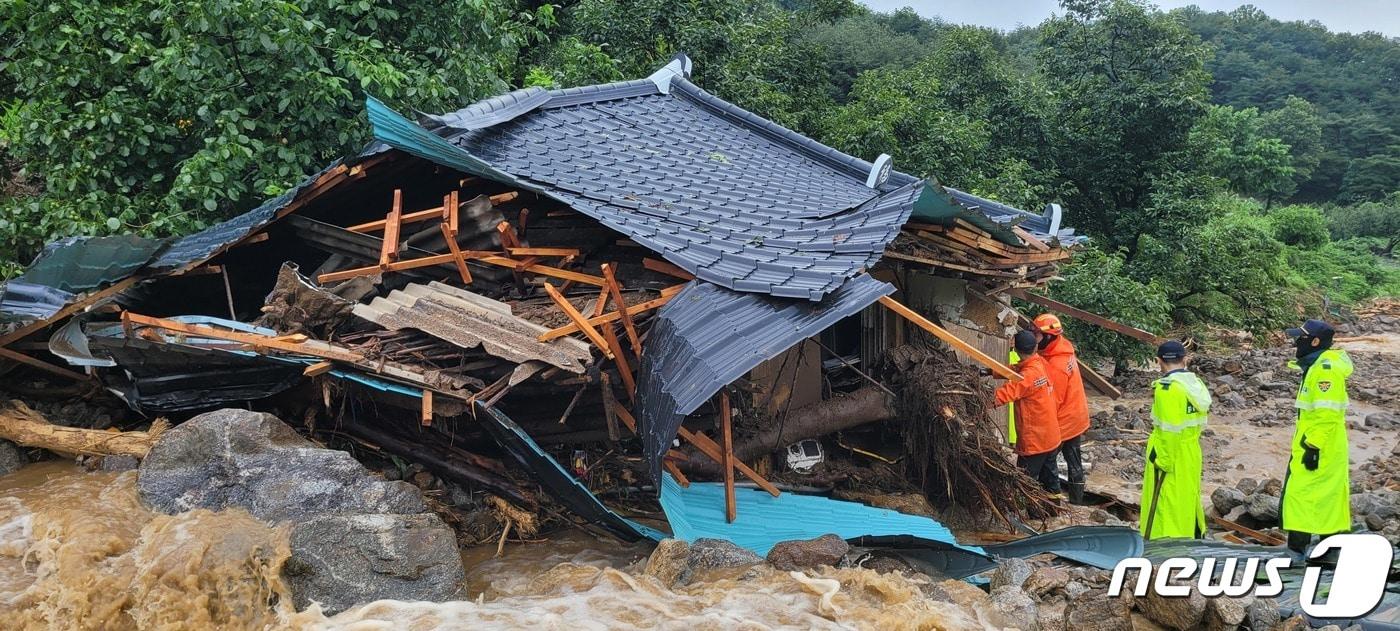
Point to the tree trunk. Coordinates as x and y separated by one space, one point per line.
30 429
866 405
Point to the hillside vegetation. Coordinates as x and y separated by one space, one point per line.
1233 170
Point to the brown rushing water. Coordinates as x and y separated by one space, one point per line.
78 550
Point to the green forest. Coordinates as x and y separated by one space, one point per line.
1232 170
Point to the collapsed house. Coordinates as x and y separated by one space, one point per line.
638 265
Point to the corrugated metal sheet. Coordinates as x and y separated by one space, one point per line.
469 320
81 264
559 483
724 194
706 337
698 512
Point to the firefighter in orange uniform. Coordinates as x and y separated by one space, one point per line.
1073 408
1037 424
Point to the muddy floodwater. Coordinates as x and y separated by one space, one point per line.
78 550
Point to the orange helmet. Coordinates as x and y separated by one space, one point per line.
1048 323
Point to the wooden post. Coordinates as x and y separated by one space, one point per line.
731 510
609 408
389 249
449 234
952 340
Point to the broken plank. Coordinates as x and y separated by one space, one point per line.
952 266
616 290
426 413
318 368
578 320
1261 537
676 472
633 310
666 268
1036 244
1091 318
40 364
458 257
710 449
1099 382
522 251
952 340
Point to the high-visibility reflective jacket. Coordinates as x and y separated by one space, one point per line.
1037 426
1013 358
1180 403
1318 501
1064 374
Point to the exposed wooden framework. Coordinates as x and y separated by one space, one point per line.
952 340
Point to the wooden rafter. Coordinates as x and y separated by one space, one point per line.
42 365
637 309
950 339
1092 318
421 215
254 340
666 268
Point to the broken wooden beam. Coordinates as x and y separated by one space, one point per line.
389 247
1091 318
318 368
707 446
578 320
42 365
250 339
421 215
666 268
952 340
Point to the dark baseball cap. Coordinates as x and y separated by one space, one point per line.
1025 342
1171 350
1312 328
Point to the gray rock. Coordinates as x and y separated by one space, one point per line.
1176 612
11 458
1095 610
1364 503
1226 614
354 538
1229 381
1017 609
798 555
669 562
1225 499
1074 588
1262 615
1233 400
1271 486
344 560
1374 522
1011 572
1247 485
717 553
1264 508
1382 420
1259 379
1237 512
119 463
254 461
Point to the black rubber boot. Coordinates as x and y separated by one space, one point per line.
1076 493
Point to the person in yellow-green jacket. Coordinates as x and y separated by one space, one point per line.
1180 403
1316 497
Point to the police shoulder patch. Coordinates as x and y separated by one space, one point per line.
1324 385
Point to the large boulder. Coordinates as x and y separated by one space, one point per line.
1179 613
1011 572
709 554
668 562
355 537
1264 508
1225 499
801 555
1016 608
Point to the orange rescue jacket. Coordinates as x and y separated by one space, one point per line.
1063 368
1037 425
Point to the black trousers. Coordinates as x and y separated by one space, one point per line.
1042 468
1074 458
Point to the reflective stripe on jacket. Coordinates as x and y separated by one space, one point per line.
1037 425
1012 358
1064 374
1318 501
1180 403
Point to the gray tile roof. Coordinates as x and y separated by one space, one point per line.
707 336
726 195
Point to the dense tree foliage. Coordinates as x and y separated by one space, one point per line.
1231 169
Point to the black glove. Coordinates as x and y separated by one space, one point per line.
1310 456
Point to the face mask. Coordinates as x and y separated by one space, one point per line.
1045 341
1303 346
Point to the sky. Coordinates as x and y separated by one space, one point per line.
1353 16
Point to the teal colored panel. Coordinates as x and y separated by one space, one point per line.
934 205
697 512
393 129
